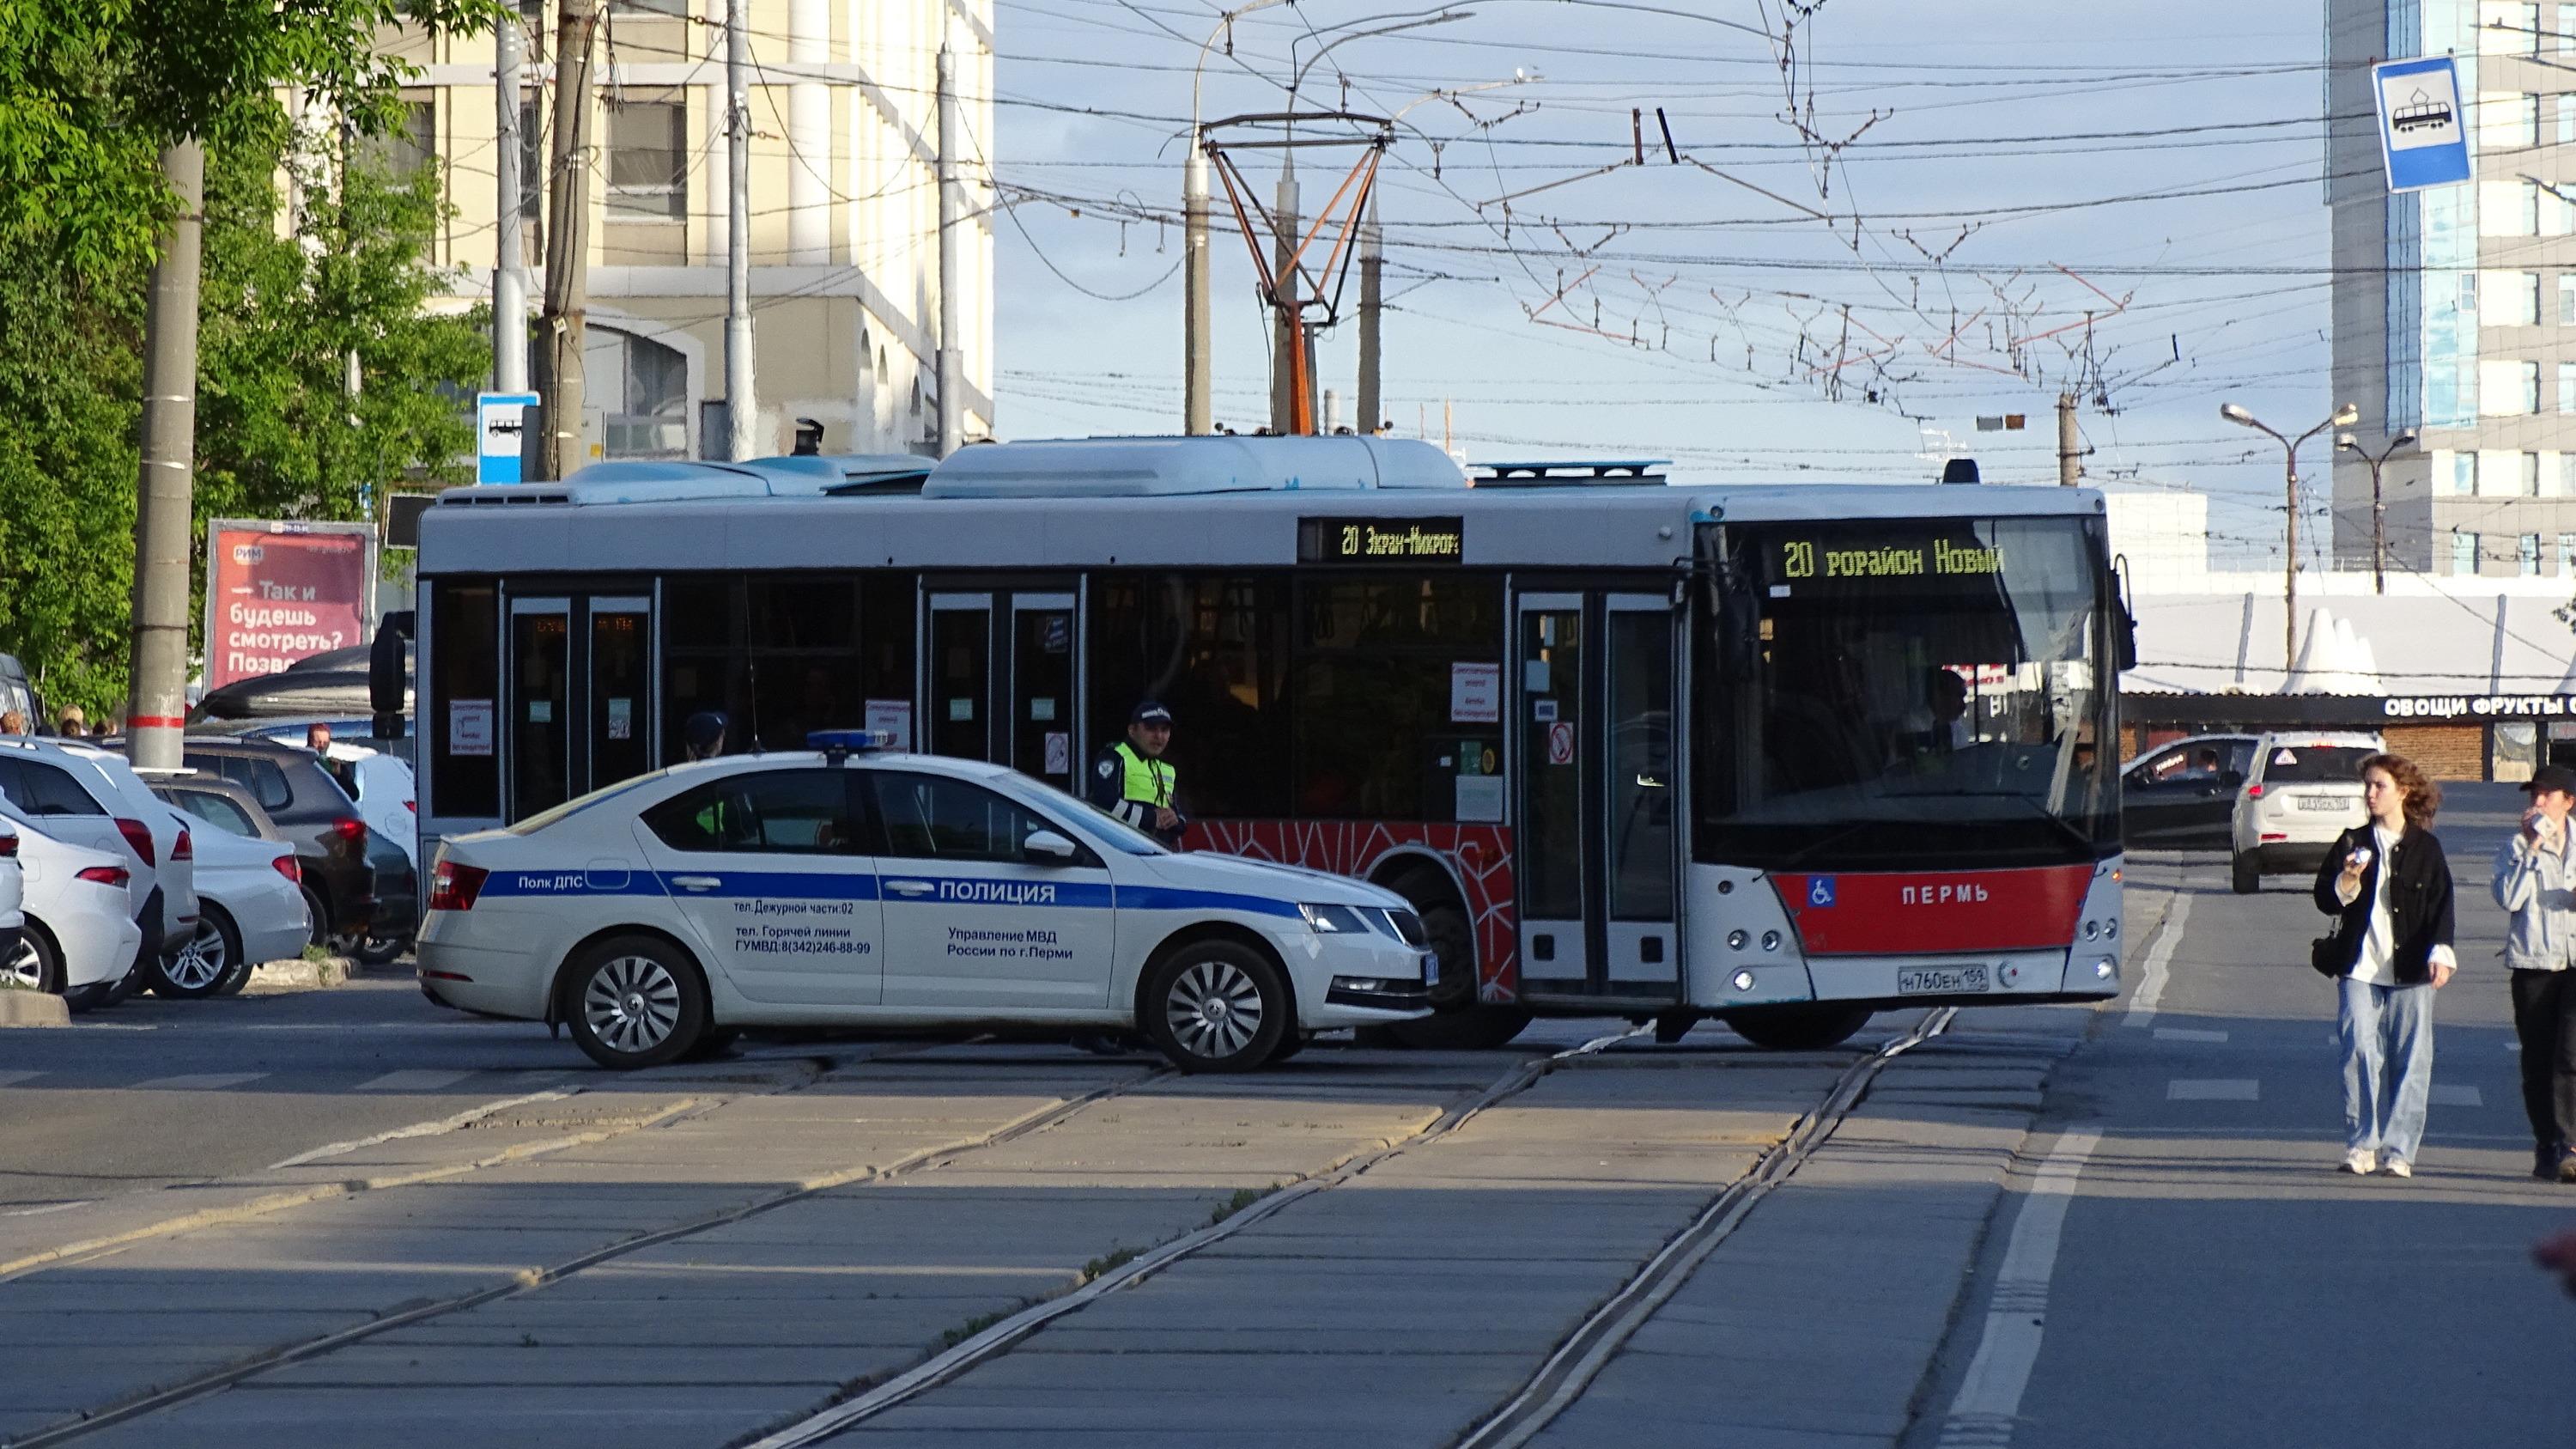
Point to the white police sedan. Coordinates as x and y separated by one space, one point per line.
846 886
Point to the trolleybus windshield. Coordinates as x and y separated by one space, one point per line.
1909 694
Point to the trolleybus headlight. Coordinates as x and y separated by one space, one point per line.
1735 940
1333 920
1770 940
2105 969
1742 981
2111 929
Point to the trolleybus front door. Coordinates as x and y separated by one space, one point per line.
1002 680
578 712
1598 774
957 676
1043 655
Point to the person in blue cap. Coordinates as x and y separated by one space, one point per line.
1133 782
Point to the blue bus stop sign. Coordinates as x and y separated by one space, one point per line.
501 421
2423 131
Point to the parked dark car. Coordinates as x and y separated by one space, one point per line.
311 812
2182 795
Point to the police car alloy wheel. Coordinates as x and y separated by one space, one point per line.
199 967
1217 1007
632 1002
32 964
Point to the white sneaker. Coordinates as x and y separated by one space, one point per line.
2360 1162
2397 1167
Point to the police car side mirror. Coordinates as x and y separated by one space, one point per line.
1045 847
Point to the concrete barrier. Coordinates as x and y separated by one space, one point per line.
33 1008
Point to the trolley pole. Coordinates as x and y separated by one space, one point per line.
164 532
1198 408
2070 448
568 238
1372 296
509 257
742 402
952 261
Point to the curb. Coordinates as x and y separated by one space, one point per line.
33 1008
300 975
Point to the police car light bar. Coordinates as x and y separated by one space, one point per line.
849 740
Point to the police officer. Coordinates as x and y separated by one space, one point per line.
1133 782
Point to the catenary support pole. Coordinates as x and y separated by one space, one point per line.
568 239
2070 448
1370 415
509 259
164 532
952 261
1287 340
1198 404
742 400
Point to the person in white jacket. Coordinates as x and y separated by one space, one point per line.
2535 881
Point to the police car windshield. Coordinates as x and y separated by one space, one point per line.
1091 820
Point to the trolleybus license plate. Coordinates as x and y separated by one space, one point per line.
1430 968
1940 980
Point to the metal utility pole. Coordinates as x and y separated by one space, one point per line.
952 261
742 403
2070 449
568 238
2344 417
1198 367
2378 508
509 257
1372 260
164 529
1287 358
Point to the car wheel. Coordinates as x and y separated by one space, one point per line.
635 1002
376 951
1217 1007
2246 876
1802 1028
34 964
198 968
321 919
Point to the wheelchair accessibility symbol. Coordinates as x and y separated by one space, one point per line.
1820 891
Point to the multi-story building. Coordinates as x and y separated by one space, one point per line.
845 281
2455 308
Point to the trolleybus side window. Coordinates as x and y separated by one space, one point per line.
1375 734
464 660
1214 647
702 669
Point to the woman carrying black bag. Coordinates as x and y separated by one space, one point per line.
2388 885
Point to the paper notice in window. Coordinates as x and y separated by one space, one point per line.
1475 693
469 726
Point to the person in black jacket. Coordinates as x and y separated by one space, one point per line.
2388 886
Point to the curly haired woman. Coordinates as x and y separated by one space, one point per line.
2388 885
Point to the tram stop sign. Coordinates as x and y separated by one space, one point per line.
2423 133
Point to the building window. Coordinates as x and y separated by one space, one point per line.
2529 555
2566 552
2525 302
2464 553
2567 387
2566 116
2507 121
2567 299
648 159
2531 475
648 7
2509 388
2508 208
402 154
2464 473
642 390
2566 36
2507 28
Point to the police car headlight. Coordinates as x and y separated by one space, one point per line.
1333 920
1375 985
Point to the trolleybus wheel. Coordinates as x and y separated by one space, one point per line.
2247 876
633 1001
1801 1028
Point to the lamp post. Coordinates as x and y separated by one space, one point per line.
2344 417
2378 510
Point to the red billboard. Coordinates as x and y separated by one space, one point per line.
280 592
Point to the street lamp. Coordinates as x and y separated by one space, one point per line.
2344 417
2378 513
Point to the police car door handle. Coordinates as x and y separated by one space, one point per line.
697 882
910 887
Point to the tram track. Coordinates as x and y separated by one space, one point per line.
217 1380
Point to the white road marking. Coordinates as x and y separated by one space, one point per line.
51 1207
2213 1089
417 1129
2152 977
2455 1094
1983 1414
11 1079
198 1081
415 1080
2185 1033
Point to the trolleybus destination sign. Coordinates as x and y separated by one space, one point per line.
1381 540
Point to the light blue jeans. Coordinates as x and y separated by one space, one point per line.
2386 1033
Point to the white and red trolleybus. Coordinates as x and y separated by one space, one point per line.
1779 754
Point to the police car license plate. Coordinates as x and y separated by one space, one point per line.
1430 968
1940 980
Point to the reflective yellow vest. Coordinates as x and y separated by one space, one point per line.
1148 780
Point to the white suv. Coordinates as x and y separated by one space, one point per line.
2301 793
92 798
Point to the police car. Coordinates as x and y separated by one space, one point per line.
851 886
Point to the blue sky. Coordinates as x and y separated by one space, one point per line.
2021 165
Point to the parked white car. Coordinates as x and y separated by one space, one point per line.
2301 794
13 918
92 798
79 940
250 908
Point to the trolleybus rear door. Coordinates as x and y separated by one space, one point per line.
1598 772
1043 687
538 683
621 691
957 676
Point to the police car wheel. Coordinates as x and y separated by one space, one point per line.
1217 1007
635 1002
